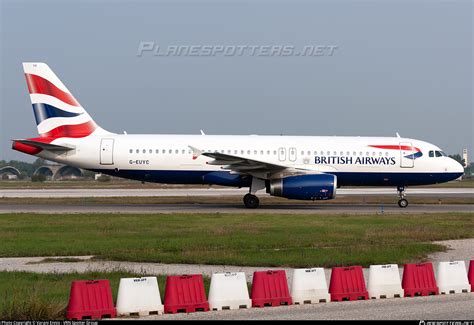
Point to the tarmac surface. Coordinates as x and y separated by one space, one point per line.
235 208
114 192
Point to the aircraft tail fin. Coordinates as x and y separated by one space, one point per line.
58 114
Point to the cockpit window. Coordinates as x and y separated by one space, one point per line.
440 154
431 154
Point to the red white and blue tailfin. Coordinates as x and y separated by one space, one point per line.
58 114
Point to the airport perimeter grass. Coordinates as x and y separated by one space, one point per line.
25 295
234 239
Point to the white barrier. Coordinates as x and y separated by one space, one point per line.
452 277
229 291
309 286
384 282
139 296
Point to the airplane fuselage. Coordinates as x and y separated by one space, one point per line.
356 161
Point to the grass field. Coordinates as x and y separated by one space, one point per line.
45 296
233 239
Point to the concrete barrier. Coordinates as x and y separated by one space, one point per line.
139 296
309 286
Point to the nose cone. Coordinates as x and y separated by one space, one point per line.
456 168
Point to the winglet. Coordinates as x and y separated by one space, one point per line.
196 152
202 132
398 135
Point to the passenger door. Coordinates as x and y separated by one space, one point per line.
406 155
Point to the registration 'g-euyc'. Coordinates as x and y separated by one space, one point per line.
293 167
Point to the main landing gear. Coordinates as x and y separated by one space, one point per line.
402 203
251 201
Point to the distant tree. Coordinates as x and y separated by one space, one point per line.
39 162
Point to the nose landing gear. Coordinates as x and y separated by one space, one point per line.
402 203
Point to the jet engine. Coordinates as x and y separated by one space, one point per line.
304 187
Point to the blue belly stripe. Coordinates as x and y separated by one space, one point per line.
227 179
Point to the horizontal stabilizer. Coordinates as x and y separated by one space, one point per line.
42 145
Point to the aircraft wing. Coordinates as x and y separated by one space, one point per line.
242 165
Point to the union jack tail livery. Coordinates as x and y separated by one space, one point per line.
58 114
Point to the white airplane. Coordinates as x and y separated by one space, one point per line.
293 167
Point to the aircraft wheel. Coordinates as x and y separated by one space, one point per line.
251 201
403 203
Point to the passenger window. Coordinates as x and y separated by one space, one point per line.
255 152
164 151
431 154
131 150
137 151
170 151
302 153
157 151
150 151
144 150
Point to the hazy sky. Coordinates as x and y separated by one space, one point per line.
401 66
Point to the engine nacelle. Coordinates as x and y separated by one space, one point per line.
304 187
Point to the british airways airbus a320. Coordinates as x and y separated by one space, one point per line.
293 167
